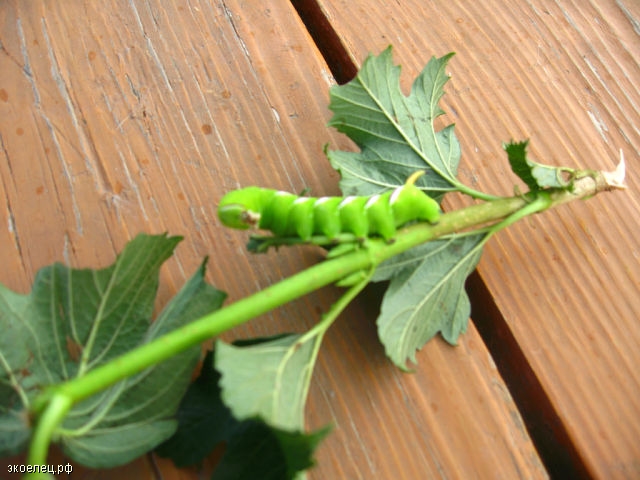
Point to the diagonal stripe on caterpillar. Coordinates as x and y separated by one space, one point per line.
286 214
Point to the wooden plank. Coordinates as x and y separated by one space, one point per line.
123 117
565 283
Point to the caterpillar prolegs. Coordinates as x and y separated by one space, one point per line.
286 214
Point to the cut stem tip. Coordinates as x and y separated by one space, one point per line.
615 179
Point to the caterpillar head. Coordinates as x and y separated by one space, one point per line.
241 208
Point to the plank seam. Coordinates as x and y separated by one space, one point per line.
326 39
548 433
547 430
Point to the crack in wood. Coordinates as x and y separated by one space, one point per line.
547 430
327 40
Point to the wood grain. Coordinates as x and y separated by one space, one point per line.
565 283
125 117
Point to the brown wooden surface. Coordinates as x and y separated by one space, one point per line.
125 117
564 284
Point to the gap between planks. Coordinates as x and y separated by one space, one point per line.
547 431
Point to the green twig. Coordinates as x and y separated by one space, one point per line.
51 406
461 187
57 407
316 334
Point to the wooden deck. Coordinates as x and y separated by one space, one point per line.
124 117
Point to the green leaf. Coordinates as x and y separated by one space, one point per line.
77 319
426 295
535 175
204 420
395 132
277 454
117 445
278 369
251 445
397 136
517 153
14 435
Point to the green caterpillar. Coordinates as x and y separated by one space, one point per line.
286 214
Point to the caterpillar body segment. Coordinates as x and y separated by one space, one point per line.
286 214
326 217
351 209
301 218
271 217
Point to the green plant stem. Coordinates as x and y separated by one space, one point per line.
460 187
48 405
278 294
539 204
57 408
316 334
